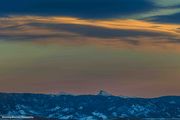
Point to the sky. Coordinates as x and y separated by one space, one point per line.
125 47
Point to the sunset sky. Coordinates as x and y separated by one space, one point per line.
125 47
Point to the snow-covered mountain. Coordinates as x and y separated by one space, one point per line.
102 106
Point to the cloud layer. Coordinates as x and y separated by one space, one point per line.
75 30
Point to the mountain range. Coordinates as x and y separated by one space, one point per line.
102 106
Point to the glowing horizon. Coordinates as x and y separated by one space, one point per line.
126 47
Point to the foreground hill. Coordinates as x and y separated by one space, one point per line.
87 107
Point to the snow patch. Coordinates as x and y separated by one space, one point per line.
100 115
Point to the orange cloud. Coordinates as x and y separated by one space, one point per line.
167 37
128 24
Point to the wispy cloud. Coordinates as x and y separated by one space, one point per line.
69 29
171 18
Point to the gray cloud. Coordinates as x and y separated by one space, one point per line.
172 18
71 31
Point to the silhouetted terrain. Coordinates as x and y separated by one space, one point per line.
88 107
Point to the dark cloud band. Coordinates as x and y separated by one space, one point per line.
71 31
76 8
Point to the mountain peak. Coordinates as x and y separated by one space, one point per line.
104 93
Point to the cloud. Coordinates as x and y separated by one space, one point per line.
96 31
76 8
166 11
167 3
172 18
116 32
157 11
70 32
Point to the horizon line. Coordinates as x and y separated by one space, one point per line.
98 94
